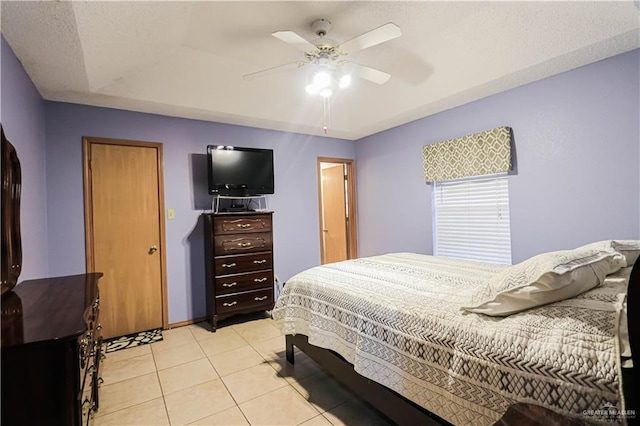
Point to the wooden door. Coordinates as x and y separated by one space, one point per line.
126 233
334 213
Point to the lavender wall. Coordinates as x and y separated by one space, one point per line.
296 236
577 139
577 144
22 116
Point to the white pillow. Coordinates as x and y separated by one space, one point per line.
630 249
542 279
617 262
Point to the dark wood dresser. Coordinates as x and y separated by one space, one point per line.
239 261
51 351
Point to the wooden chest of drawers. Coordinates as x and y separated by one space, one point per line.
51 351
239 261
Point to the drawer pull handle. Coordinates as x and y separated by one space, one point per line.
259 262
86 405
259 280
228 265
244 244
243 225
230 304
260 298
229 284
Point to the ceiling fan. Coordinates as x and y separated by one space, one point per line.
331 68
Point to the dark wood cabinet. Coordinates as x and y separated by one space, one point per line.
239 262
11 259
51 351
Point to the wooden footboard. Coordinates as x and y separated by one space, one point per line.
631 376
395 407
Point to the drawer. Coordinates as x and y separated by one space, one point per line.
91 314
246 300
244 282
243 263
232 244
85 347
235 225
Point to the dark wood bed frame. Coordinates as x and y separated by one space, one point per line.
401 411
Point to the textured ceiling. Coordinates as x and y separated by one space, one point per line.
187 59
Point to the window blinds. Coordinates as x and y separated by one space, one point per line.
471 219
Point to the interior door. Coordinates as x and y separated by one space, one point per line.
334 213
126 234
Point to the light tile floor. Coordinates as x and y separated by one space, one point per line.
235 376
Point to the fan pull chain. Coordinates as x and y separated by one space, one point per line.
327 114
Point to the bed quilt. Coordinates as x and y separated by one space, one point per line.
397 319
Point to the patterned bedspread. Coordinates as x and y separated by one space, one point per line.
397 319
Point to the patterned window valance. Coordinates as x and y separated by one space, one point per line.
482 153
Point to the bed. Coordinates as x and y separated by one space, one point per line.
392 329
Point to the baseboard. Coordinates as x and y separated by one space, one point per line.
187 322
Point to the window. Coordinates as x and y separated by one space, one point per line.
471 219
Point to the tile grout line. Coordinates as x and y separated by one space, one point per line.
103 413
132 377
156 370
229 390
321 414
223 383
126 408
164 402
267 360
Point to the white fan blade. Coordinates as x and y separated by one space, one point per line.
368 73
379 35
273 70
295 40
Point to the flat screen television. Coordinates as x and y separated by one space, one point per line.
240 172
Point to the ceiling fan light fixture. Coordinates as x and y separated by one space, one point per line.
345 81
324 57
312 89
326 92
322 79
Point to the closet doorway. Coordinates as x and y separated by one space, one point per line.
336 200
125 233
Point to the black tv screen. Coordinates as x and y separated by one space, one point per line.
239 172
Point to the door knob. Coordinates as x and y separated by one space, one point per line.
153 249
